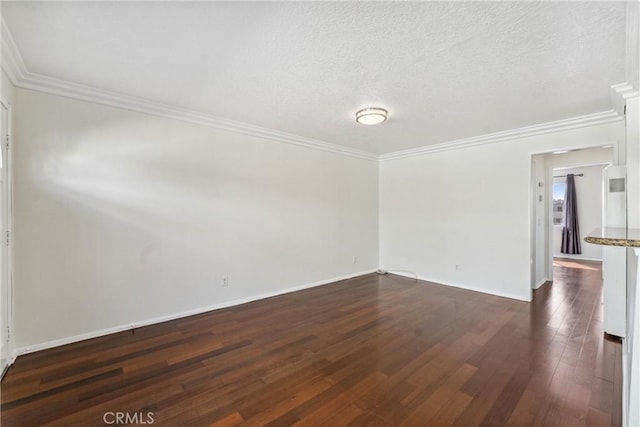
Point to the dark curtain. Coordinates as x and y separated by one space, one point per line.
570 229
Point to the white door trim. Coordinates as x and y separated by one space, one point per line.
9 227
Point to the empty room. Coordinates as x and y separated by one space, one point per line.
319 213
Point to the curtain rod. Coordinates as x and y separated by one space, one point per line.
564 176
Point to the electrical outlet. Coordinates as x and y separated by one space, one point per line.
225 281
355 259
457 267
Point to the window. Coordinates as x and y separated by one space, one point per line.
558 202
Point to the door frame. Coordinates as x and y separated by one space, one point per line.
617 148
9 227
533 262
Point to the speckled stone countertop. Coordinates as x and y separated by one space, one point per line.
626 237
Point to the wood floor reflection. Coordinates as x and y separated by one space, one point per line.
373 350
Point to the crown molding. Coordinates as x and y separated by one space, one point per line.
523 132
619 95
21 77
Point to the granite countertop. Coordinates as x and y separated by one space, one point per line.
626 237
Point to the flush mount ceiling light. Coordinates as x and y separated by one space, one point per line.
371 116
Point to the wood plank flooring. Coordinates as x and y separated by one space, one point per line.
373 350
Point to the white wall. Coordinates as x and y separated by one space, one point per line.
470 207
631 348
122 217
589 200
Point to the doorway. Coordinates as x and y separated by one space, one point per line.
545 216
589 197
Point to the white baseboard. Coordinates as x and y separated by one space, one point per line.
94 334
540 283
468 288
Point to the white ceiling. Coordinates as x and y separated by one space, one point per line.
444 70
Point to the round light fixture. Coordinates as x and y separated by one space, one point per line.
371 116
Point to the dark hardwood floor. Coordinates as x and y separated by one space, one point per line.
374 350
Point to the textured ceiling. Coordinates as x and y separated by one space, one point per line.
444 70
